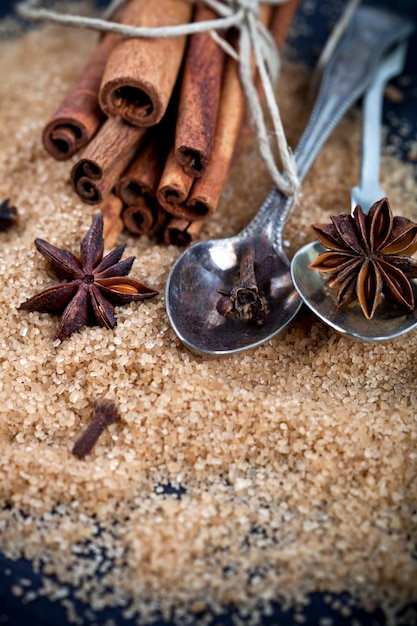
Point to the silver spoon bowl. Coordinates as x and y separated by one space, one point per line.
191 290
390 320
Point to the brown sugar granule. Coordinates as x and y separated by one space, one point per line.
296 462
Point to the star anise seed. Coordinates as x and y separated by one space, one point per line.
369 257
95 284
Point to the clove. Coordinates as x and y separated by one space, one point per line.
105 413
245 300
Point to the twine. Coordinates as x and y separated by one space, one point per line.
253 37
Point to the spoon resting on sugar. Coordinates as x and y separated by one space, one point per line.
388 319
192 288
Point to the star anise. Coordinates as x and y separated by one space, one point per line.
8 214
95 284
369 257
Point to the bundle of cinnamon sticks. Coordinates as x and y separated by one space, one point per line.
157 123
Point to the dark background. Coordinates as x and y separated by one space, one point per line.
322 14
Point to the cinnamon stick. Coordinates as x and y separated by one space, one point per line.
232 129
282 16
174 185
111 210
141 73
205 193
144 218
280 22
182 232
199 98
138 186
104 159
79 116
206 190
141 178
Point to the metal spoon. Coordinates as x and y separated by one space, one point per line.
389 320
191 290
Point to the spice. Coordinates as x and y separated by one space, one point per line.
8 215
245 300
95 284
199 98
182 232
145 217
140 181
174 185
79 116
104 159
138 83
140 74
138 186
105 413
369 257
111 210
232 130
206 190
282 16
293 481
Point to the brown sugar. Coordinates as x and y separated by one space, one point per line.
297 462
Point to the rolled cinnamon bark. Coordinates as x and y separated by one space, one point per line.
141 73
138 186
280 22
111 210
145 217
142 176
104 159
233 131
174 185
181 232
205 192
79 116
199 98
282 16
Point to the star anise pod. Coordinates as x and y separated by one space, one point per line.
369 257
95 284
8 214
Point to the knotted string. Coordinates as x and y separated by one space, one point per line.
253 37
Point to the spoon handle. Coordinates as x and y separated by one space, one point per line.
368 191
347 74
